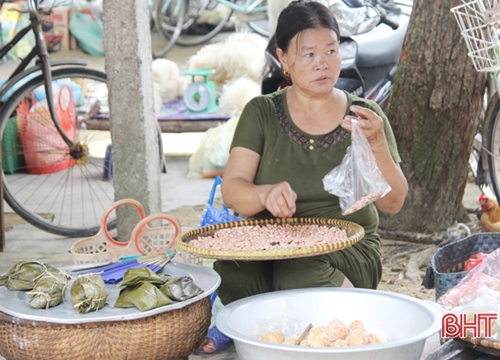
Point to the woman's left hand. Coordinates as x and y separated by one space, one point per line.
371 124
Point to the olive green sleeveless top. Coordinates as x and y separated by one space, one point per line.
289 154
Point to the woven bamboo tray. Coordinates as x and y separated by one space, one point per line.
172 335
487 346
61 333
355 233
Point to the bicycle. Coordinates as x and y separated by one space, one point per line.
478 22
52 139
251 12
172 17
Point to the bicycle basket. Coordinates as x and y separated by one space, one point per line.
44 148
143 240
479 22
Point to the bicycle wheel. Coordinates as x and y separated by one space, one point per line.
59 190
169 13
493 143
195 30
260 23
260 27
193 11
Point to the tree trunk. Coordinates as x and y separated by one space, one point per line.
434 110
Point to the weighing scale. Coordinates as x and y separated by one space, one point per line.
200 96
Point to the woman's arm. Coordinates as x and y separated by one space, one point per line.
373 129
241 194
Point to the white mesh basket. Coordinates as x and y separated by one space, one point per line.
479 22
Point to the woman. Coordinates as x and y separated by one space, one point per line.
284 145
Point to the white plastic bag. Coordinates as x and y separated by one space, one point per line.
210 159
357 181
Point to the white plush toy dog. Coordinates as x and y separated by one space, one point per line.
169 83
241 54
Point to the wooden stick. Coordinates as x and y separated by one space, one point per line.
303 335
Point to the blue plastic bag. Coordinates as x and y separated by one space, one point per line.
88 31
211 215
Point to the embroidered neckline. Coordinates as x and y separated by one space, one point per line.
334 137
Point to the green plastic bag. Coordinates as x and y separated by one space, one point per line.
88 31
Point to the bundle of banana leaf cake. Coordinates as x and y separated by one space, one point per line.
23 275
49 288
88 293
46 283
147 290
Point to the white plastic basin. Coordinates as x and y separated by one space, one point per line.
406 322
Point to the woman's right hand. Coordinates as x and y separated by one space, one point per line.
279 200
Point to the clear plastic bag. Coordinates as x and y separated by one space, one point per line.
477 293
357 181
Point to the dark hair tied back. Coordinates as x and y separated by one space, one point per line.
301 15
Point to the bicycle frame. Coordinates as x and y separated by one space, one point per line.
177 10
249 7
43 64
22 70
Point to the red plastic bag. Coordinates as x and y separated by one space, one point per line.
474 261
45 151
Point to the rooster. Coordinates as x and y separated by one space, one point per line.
489 215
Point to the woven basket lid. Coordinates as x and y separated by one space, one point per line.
354 234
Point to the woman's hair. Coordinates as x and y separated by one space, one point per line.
302 15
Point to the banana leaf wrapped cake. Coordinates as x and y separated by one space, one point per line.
23 275
88 293
180 288
146 290
49 289
46 283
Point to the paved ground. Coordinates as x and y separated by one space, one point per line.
26 242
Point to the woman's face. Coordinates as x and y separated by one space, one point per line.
313 60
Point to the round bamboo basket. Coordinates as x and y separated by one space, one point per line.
354 231
487 346
172 335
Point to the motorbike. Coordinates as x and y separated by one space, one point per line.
372 34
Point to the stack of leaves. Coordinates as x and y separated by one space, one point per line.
88 293
146 290
23 275
49 288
